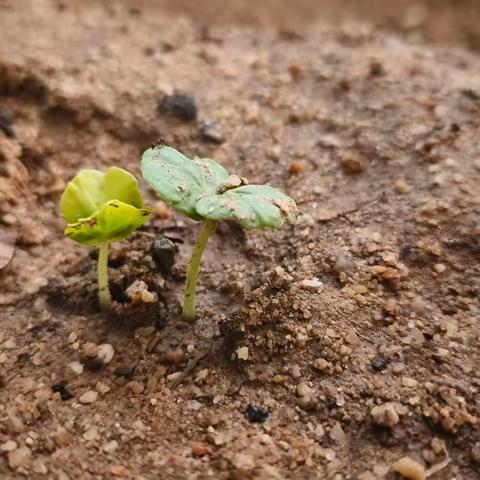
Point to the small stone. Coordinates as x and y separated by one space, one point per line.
88 397
319 431
138 293
337 434
313 285
110 447
72 337
163 253
345 265
76 367
409 468
176 356
256 413
353 166
439 268
8 446
322 365
402 187
19 457
409 382
385 415
102 388
91 434
200 450
438 445
120 471
242 353
398 367
135 387
90 349
209 131
303 390
106 353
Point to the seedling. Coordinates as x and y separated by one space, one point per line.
102 207
203 190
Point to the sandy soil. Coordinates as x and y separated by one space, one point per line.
329 349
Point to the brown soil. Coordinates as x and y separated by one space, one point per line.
372 127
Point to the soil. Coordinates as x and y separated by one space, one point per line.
328 349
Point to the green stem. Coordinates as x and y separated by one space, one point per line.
189 302
103 290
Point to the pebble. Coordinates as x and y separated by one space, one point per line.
88 397
135 387
439 267
19 457
8 446
322 365
337 434
313 285
210 132
385 415
397 368
90 349
242 353
163 253
402 187
106 353
409 382
409 468
102 388
110 446
200 450
344 264
303 390
76 367
91 434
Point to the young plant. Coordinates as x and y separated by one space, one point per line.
203 190
102 207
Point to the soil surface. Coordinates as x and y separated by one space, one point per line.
328 349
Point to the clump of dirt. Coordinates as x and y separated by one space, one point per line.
327 349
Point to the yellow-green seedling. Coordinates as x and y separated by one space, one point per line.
102 207
203 190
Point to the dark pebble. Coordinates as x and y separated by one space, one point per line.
210 132
179 105
163 253
378 363
61 388
256 413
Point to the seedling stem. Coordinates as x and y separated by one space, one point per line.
189 303
103 290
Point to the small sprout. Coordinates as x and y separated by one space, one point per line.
102 207
203 190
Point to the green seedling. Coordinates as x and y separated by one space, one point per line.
102 207
203 190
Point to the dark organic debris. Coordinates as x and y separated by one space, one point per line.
179 105
61 388
256 413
